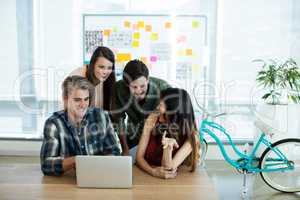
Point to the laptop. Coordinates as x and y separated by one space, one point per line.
104 171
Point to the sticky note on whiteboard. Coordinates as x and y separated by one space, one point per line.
127 24
143 59
148 28
134 26
195 24
153 58
107 32
188 52
115 29
168 25
141 24
196 68
136 35
154 36
123 57
135 43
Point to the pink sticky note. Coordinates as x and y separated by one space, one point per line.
153 58
135 27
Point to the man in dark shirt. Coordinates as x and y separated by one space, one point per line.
136 96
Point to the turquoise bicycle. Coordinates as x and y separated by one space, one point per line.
279 164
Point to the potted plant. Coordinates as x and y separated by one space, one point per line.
281 79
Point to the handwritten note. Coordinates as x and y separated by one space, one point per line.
92 39
162 51
120 39
183 71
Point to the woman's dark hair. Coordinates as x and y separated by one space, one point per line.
133 70
108 84
180 113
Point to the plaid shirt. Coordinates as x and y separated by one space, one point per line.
94 136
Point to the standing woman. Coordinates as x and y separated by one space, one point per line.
101 73
169 137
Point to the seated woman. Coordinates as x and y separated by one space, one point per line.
101 73
169 137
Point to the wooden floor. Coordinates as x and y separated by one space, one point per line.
21 178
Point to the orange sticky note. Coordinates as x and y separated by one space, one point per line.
107 32
168 25
148 28
141 24
135 43
195 24
144 60
123 57
127 24
154 36
189 52
136 35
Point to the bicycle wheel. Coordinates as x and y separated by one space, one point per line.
288 178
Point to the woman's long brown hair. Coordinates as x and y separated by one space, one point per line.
180 112
108 92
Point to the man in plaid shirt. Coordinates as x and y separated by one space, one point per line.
76 130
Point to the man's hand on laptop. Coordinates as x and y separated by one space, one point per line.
69 163
165 173
125 152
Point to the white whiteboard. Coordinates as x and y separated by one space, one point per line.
173 47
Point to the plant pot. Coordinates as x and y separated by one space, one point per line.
281 120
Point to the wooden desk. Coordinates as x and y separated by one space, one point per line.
26 181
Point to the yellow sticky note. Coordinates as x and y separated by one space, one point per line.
168 25
154 36
141 24
144 59
195 24
189 52
135 43
136 35
107 32
148 28
196 68
123 57
127 24
180 52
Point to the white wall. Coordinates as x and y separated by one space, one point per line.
253 29
9 49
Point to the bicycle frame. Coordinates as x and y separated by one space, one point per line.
245 162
